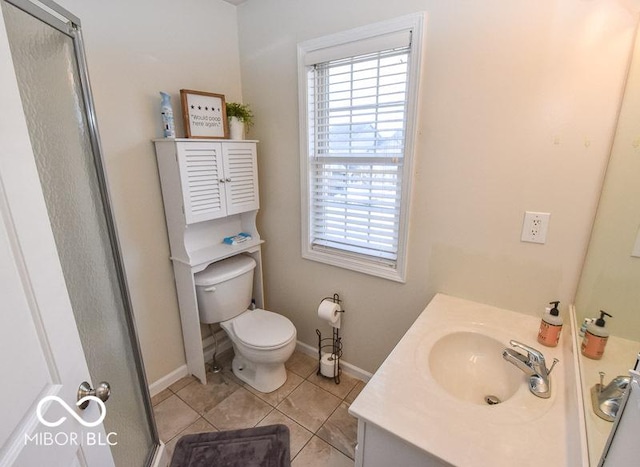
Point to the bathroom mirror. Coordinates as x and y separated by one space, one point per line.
611 274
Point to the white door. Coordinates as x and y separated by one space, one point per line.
40 350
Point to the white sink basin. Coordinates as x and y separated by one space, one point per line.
429 393
470 367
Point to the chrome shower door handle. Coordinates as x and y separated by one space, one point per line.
102 392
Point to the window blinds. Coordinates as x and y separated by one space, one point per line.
357 120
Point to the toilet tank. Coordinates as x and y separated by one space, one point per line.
224 288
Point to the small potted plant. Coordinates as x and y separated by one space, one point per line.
240 117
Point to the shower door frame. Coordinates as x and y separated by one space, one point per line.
62 20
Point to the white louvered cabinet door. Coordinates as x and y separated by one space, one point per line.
202 178
241 177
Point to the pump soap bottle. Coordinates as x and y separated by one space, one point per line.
550 326
595 338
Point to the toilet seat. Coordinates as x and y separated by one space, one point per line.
263 330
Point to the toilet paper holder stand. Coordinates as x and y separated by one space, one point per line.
331 347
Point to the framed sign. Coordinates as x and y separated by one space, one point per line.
204 114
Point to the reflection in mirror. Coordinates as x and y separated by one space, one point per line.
610 278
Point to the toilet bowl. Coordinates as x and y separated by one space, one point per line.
262 340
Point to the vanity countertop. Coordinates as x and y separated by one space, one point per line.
403 399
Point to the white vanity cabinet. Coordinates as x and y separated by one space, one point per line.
209 191
379 448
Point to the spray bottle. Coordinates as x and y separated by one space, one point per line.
168 125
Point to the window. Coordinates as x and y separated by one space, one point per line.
357 102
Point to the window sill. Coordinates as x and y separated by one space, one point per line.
356 264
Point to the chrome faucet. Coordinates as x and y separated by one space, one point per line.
533 365
606 400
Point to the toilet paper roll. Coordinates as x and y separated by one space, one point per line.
327 363
330 312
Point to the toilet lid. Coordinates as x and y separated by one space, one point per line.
262 328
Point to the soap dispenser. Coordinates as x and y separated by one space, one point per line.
550 326
595 338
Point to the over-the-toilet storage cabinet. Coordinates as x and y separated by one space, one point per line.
210 191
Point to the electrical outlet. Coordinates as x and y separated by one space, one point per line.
535 227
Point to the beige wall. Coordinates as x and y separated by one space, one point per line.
136 49
518 106
611 276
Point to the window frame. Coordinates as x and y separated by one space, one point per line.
348 39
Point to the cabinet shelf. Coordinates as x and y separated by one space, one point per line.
200 259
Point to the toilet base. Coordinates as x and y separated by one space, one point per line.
265 377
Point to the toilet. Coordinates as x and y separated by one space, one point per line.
262 340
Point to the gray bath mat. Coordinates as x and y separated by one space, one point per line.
265 446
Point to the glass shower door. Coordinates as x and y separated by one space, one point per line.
46 47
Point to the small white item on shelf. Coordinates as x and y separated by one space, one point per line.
237 239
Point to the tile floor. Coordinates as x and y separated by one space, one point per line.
323 434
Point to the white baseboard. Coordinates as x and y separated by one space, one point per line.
347 367
163 383
224 344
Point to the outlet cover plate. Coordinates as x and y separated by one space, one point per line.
535 227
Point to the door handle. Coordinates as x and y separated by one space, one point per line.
102 392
